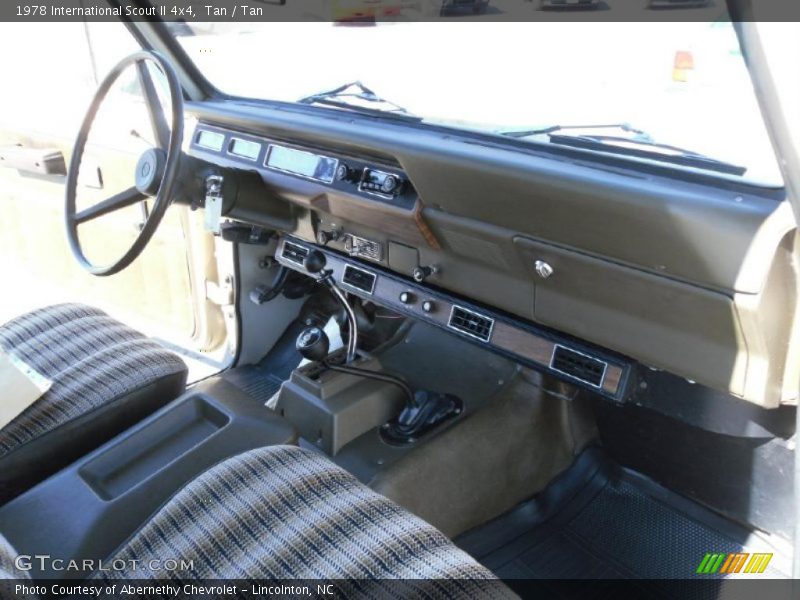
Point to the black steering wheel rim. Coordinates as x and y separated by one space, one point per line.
167 141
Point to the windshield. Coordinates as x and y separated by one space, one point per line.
684 85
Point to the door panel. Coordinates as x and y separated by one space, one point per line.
163 293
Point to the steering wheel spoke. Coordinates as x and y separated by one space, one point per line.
156 112
116 202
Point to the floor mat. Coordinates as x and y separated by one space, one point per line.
261 381
599 521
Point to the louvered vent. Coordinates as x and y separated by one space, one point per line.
579 366
359 279
294 252
471 323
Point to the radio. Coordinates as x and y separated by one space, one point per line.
380 183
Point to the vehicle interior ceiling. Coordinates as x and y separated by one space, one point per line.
522 346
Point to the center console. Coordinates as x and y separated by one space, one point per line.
90 508
331 409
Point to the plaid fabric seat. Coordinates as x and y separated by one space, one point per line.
8 569
99 368
288 513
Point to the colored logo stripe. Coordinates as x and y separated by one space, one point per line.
710 563
758 564
733 562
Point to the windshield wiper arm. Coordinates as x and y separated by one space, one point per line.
521 133
639 145
649 150
339 98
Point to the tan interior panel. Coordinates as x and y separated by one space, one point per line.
770 325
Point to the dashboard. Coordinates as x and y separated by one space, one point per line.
565 358
567 262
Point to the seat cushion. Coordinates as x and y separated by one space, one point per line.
285 513
106 376
8 568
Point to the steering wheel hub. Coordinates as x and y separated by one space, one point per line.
150 171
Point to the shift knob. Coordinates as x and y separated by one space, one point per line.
313 344
314 262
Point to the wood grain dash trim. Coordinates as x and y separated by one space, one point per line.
422 225
612 379
523 343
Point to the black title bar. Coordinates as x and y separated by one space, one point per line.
233 11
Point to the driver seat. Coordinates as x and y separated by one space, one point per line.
106 377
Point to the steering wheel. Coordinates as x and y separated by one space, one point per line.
156 170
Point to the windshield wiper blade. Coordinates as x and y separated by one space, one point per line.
522 133
648 150
640 145
340 98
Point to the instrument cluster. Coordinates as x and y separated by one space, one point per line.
379 182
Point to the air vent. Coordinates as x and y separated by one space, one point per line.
578 366
358 279
471 323
294 252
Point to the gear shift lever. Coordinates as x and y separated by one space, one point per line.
315 263
313 344
424 410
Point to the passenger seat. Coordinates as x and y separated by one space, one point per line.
283 512
106 377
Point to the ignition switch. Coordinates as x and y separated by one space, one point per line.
420 273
